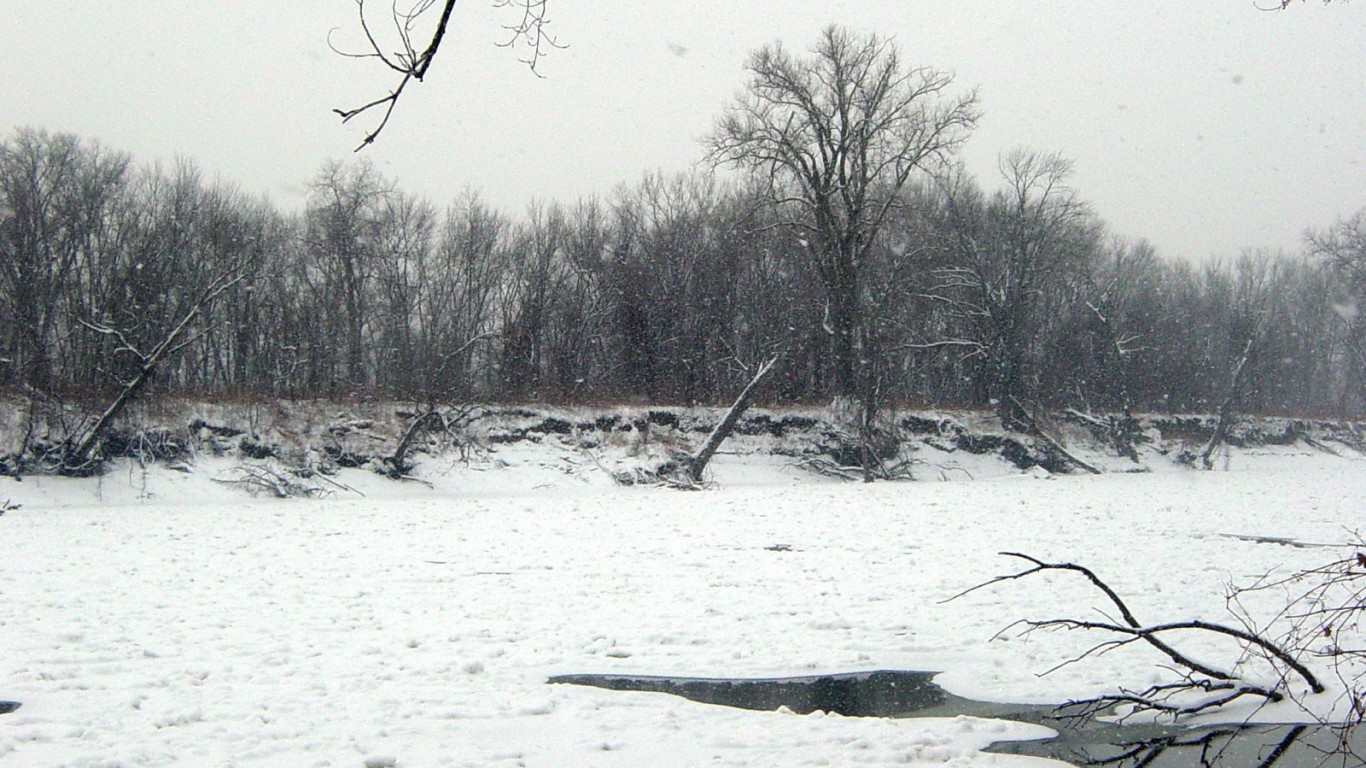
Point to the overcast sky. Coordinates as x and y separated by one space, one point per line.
1207 126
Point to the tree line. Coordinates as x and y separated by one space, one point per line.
879 271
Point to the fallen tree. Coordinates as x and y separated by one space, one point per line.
431 418
1032 427
440 409
78 452
1200 686
697 463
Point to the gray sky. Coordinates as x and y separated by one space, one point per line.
1207 126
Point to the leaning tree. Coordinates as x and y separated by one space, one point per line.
834 136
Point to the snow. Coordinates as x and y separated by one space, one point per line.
155 617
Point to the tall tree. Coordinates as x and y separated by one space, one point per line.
1342 250
344 219
835 135
1012 254
56 194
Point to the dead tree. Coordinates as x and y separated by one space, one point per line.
432 418
1211 686
697 463
78 456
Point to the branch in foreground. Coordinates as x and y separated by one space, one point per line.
410 64
1199 677
1324 607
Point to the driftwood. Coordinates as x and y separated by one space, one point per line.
263 480
1053 442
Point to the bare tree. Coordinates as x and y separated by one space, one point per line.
56 194
468 271
346 215
579 325
411 46
1342 250
1011 255
1102 338
1250 319
536 281
1108 294
403 245
835 136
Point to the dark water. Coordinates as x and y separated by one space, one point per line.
914 694
1154 746
7 707
872 694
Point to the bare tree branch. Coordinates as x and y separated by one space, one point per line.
410 64
1199 677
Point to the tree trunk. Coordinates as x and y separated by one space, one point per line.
398 462
845 327
1224 422
698 463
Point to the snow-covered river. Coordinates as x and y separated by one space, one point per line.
172 621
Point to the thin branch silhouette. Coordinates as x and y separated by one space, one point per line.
411 64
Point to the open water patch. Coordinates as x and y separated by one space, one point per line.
7 707
891 693
861 694
1168 746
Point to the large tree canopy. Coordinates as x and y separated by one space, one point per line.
835 136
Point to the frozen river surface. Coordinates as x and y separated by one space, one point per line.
181 623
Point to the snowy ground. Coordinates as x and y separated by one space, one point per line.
162 619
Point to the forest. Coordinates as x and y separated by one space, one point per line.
667 291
